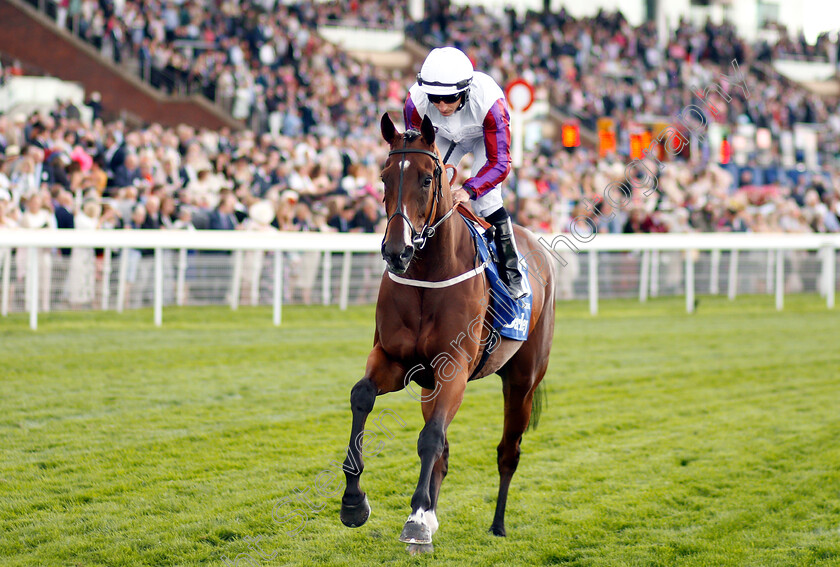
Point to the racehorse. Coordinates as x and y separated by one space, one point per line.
432 327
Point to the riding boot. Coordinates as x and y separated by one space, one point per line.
508 258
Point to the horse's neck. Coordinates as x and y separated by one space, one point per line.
448 253
451 252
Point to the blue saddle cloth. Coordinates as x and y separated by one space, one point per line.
510 317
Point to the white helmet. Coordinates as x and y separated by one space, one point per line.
446 71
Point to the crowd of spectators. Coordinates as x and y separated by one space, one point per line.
590 68
603 67
264 61
183 178
313 151
57 172
556 188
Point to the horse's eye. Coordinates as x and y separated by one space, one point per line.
427 181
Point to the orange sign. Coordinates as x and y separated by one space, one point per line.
725 151
636 146
570 134
647 138
606 136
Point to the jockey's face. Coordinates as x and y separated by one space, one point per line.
447 109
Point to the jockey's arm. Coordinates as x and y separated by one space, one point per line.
410 115
497 148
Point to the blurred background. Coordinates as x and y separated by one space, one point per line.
263 116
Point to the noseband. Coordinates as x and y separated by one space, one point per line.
418 238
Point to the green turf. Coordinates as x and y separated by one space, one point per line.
668 439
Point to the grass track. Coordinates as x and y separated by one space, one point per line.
669 439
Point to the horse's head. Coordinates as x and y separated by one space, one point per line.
413 178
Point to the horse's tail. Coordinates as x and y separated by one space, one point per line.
537 403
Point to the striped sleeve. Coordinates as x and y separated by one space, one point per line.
410 114
497 147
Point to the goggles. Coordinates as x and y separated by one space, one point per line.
448 99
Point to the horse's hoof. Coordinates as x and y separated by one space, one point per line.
498 531
416 532
356 515
418 548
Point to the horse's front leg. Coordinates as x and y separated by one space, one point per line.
433 449
382 375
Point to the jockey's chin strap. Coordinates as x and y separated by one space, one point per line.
418 238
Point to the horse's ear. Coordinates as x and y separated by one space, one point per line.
427 130
389 131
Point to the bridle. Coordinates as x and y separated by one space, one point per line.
418 238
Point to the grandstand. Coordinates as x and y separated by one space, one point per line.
198 114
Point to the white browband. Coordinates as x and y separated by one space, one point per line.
445 283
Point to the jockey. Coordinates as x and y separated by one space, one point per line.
470 115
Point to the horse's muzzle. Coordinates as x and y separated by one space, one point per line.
397 261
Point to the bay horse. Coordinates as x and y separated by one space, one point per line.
434 330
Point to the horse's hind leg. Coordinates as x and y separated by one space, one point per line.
381 376
522 376
517 414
